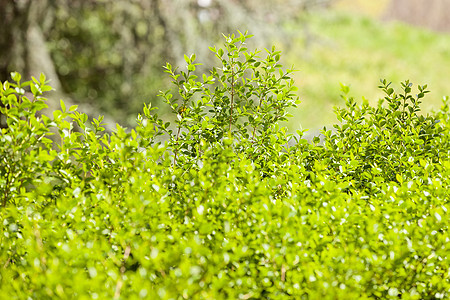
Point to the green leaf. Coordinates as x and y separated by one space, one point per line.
42 78
187 59
63 106
16 76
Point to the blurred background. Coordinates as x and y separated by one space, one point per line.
107 55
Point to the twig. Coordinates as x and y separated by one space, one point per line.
122 271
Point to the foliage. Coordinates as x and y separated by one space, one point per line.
242 101
383 143
223 203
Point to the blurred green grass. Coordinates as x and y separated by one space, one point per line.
358 50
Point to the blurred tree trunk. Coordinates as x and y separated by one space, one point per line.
13 21
433 14
23 49
22 41
23 46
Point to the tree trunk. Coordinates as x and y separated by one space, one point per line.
23 49
432 14
23 45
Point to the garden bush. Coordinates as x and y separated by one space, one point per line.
224 203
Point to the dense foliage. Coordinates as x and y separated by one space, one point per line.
224 203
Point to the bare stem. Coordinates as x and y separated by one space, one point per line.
176 149
232 96
259 107
122 271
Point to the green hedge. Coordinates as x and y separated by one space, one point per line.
224 203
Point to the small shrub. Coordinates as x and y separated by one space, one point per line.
383 143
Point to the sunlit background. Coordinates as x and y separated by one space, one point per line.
107 56
360 42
